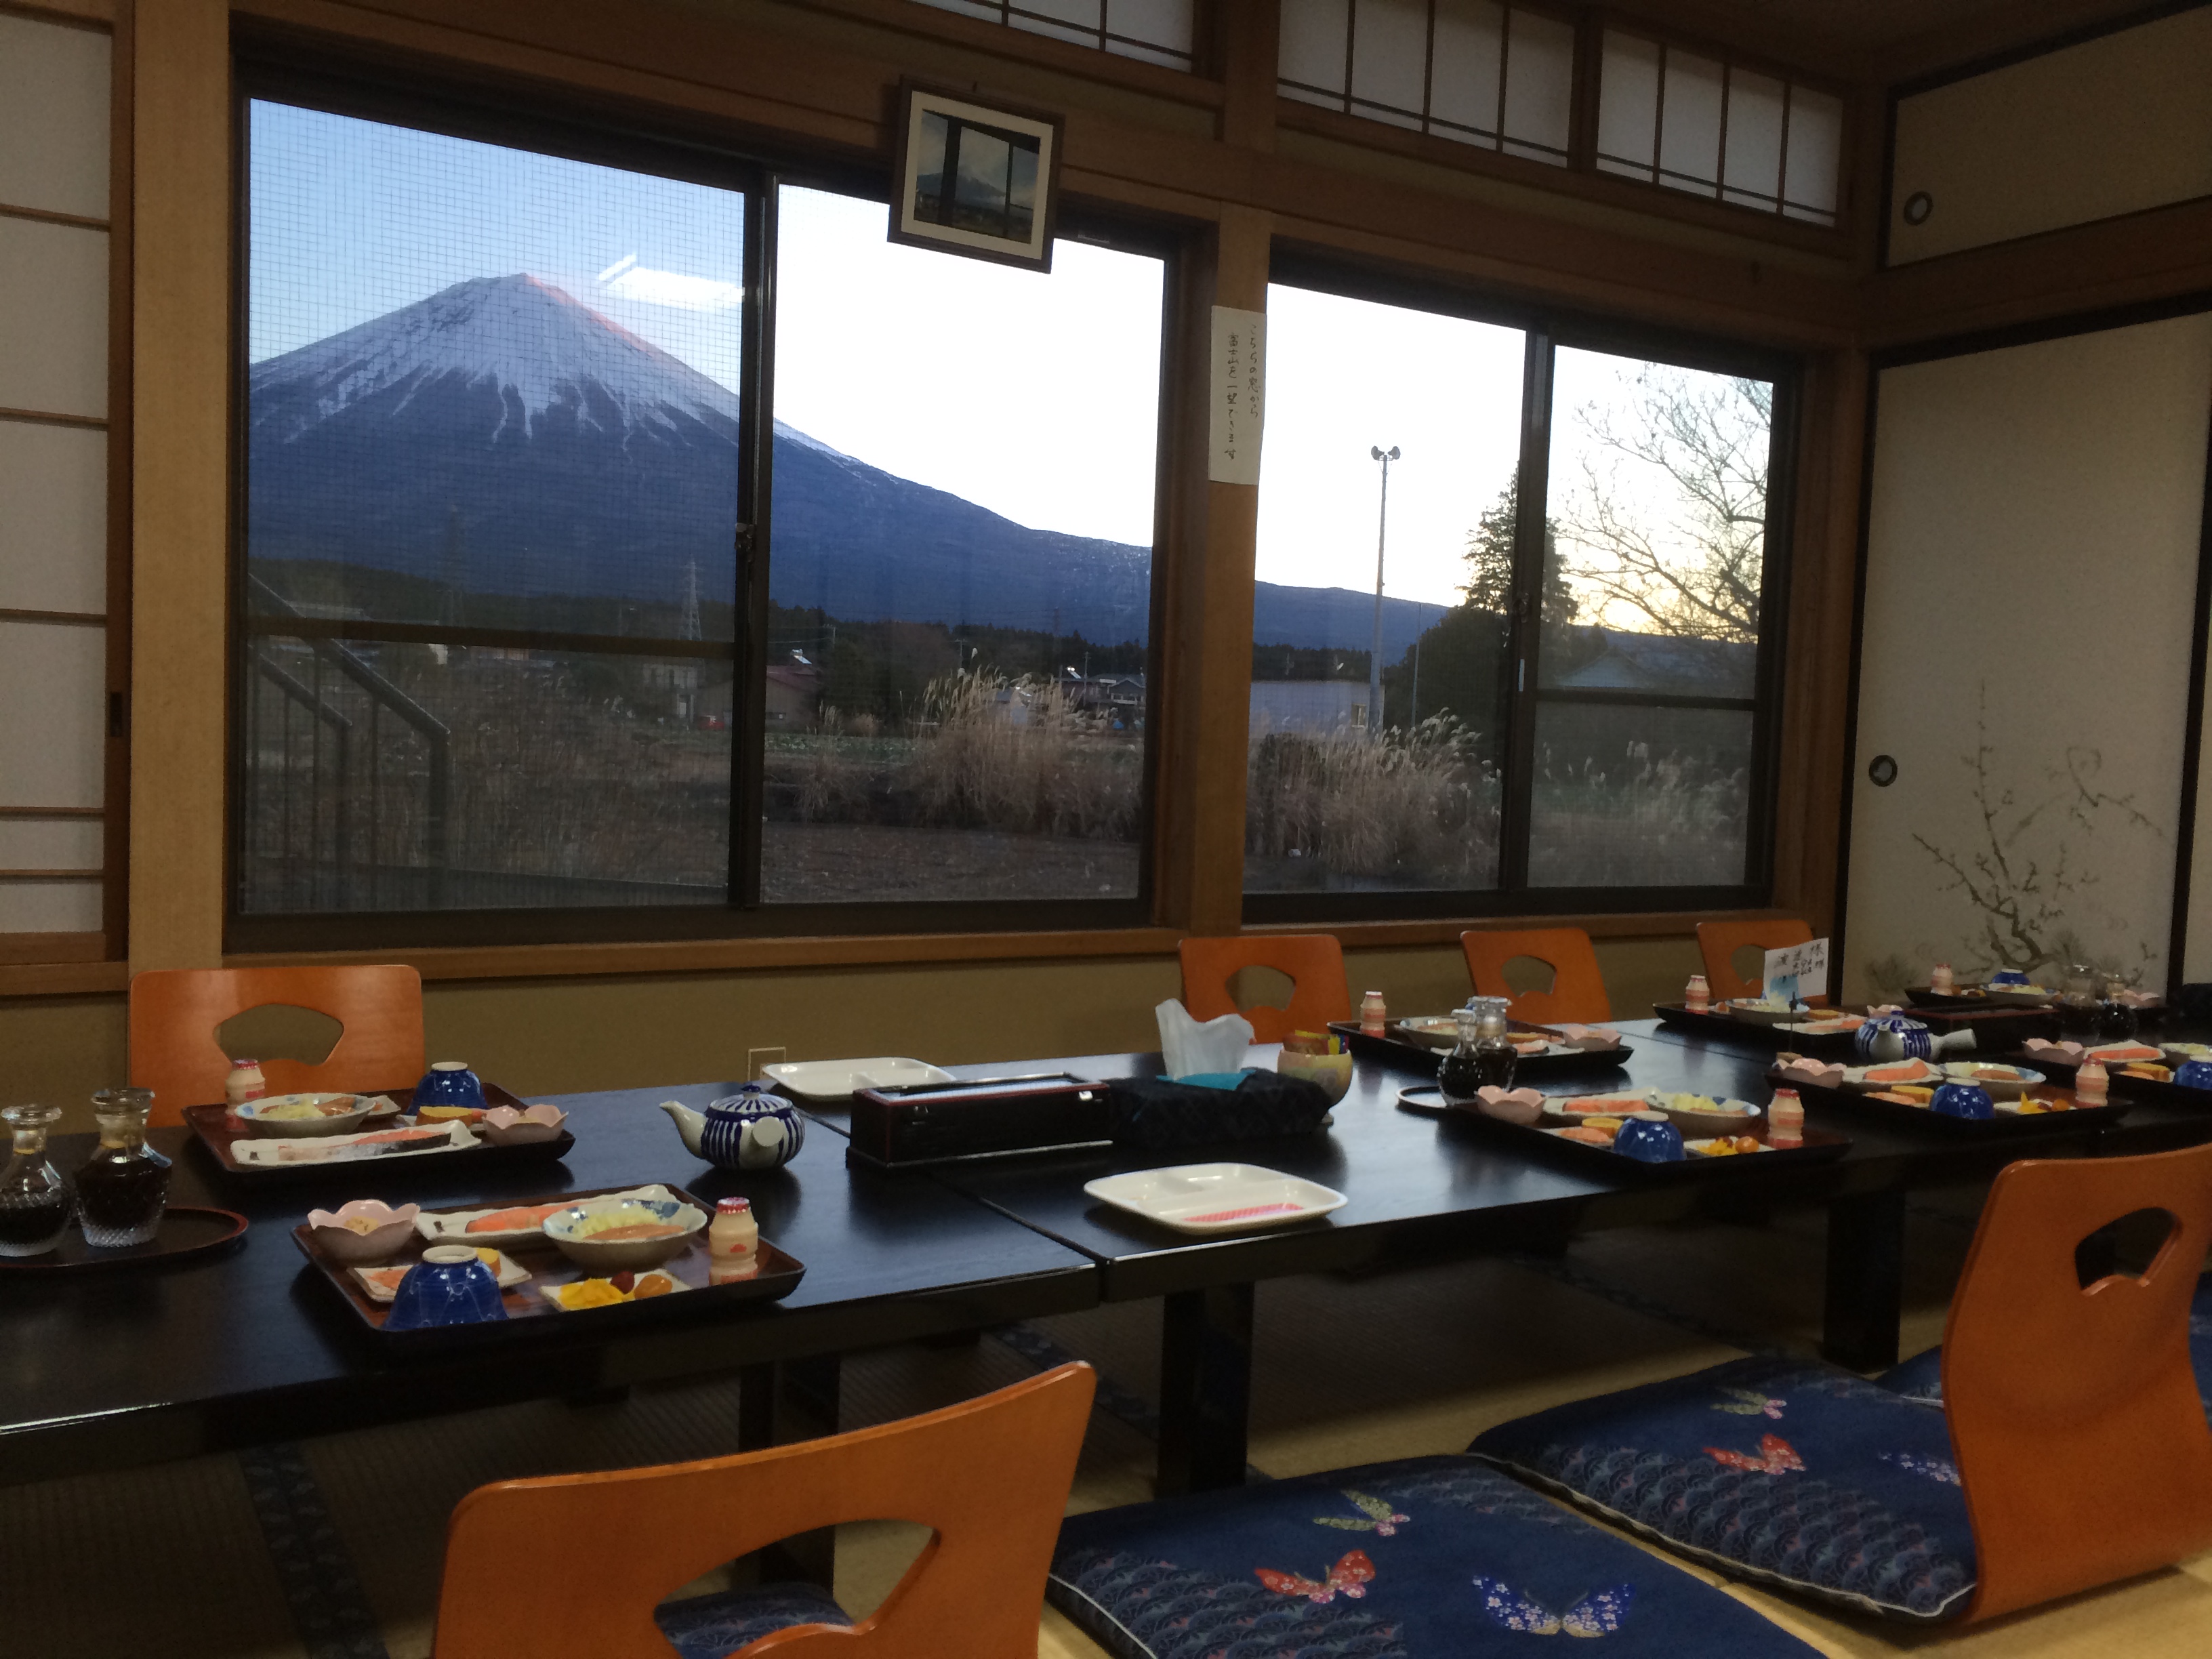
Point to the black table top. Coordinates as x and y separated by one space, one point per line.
127 1366
1419 1186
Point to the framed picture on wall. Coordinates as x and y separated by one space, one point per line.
979 179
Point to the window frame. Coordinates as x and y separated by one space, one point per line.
1546 328
705 154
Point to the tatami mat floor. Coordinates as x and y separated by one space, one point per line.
330 1549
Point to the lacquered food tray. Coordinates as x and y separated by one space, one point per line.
1821 1147
211 1126
1921 1118
187 1232
527 1307
1712 1023
2149 1091
1409 1055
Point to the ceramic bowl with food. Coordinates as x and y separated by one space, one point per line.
1332 1072
607 1236
304 1114
1766 1010
361 1233
503 1126
1431 1030
1702 1115
2178 1054
1999 1082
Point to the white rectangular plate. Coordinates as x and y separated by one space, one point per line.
346 1149
451 1226
1215 1198
838 1079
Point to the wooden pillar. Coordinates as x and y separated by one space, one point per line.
180 478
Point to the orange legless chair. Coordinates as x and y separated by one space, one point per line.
571 1566
1314 962
1719 941
1578 993
2079 1439
174 1013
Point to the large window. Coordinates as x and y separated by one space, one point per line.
626 529
1512 627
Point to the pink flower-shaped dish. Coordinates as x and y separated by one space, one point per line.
363 1232
1588 1036
2039 1046
1821 1074
505 1126
1522 1106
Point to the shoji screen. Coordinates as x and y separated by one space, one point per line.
53 486
2032 547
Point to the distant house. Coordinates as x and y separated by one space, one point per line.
1119 698
1618 660
794 693
1315 706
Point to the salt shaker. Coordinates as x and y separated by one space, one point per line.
1697 995
1785 1119
245 1082
1942 980
1374 1015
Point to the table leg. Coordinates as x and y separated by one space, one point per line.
1205 1387
1866 1281
778 1403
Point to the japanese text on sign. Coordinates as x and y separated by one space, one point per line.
1240 379
1798 971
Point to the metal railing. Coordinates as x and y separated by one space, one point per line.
346 780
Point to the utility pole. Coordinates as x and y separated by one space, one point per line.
1374 656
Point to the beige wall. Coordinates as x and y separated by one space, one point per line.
549 1036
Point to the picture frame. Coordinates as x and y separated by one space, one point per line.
975 178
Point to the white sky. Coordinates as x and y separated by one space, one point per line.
1347 376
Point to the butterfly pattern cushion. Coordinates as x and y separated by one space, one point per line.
1433 1557
1796 1474
1921 1377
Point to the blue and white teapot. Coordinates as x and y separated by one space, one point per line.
752 1129
1892 1036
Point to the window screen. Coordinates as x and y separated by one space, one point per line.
1500 78
1697 124
489 592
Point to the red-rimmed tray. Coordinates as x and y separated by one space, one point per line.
1413 1056
2150 1091
528 1310
1920 1117
210 1125
1821 1146
187 1231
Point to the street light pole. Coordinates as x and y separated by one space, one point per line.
1374 656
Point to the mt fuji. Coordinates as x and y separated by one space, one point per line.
500 437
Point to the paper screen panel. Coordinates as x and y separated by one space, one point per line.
53 698
2012 490
53 327
53 517
49 907
53 117
2113 125
1539 88
71 843
1628 105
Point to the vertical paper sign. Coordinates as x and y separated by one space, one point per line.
1796 965
1240 388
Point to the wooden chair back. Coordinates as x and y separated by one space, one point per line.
174 1013
1719 941
571 1566
1577 993
2075 1419
1314 962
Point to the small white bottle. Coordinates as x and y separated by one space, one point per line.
1697 995
1942 980
732 1242
1374 1015
1785 1119
245 1082
2090 1084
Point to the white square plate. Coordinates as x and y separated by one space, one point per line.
1215 1198
838 1079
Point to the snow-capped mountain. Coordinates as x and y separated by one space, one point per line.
501 437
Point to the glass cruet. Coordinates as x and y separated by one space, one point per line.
2077 1003
1495 1056
123 1187
1458 1077
35 1203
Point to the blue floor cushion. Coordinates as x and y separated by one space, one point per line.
709 1627
1433 1557
1784 1471
1921 1377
